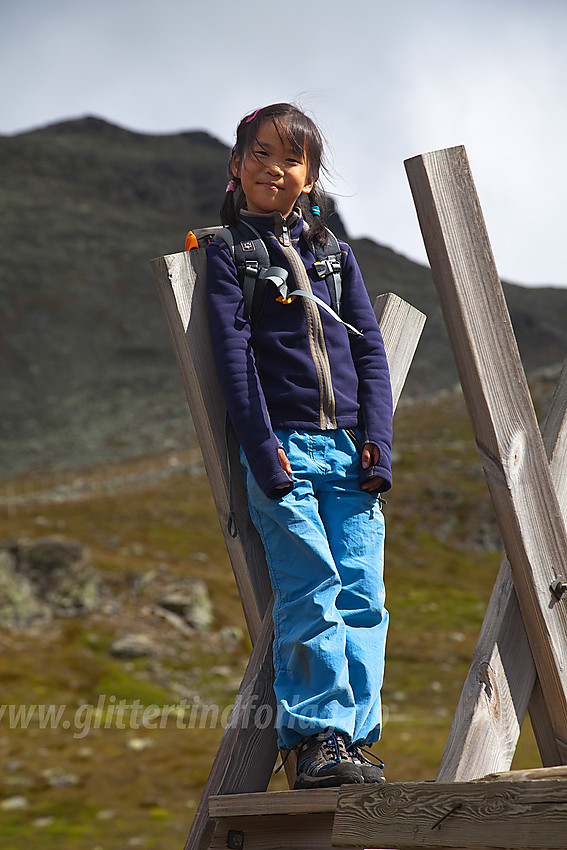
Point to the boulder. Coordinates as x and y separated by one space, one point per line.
190 600
43 578
132 646
19 605
61 574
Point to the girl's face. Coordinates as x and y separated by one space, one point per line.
272 174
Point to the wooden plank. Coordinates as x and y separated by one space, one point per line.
502 676
495 696
248 749
555 441
500 407
401 326
555 438
180 280
557 772
500 813
274 803
543 728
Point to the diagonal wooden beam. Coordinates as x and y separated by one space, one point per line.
500 407
502 675
555 441
247 752
180 281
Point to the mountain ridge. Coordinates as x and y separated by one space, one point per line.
87 371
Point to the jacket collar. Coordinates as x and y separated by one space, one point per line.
275 222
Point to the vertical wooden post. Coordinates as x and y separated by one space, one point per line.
500 407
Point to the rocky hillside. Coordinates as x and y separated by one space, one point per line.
87 372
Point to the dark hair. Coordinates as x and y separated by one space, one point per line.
303 135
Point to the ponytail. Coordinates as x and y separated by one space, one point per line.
315 208
233 201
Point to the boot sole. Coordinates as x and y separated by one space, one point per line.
304 780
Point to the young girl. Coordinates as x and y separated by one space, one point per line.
310 401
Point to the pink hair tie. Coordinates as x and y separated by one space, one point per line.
231 186
251 117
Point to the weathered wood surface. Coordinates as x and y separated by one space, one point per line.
500 408
543 728
495 814
555 442
185 308
247 753
275 803
502 676
557 772
401 326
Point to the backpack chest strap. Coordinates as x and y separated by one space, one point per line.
253 273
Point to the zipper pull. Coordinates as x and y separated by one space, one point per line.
285 236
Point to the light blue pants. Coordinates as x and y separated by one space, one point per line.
324 545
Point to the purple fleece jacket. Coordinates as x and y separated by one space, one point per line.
294 369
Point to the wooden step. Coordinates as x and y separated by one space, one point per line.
274 803
497 813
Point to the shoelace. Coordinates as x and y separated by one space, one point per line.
331 746
332 742
284 759
358 752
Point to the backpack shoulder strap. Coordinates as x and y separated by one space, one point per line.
250 255
328 267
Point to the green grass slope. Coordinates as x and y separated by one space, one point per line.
120 782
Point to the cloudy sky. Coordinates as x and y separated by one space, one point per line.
385 79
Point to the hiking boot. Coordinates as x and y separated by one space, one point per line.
323 762
370 771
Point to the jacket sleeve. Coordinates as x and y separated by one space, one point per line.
230 329
374 388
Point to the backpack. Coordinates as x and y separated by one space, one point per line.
252 261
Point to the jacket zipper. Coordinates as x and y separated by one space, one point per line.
316 337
